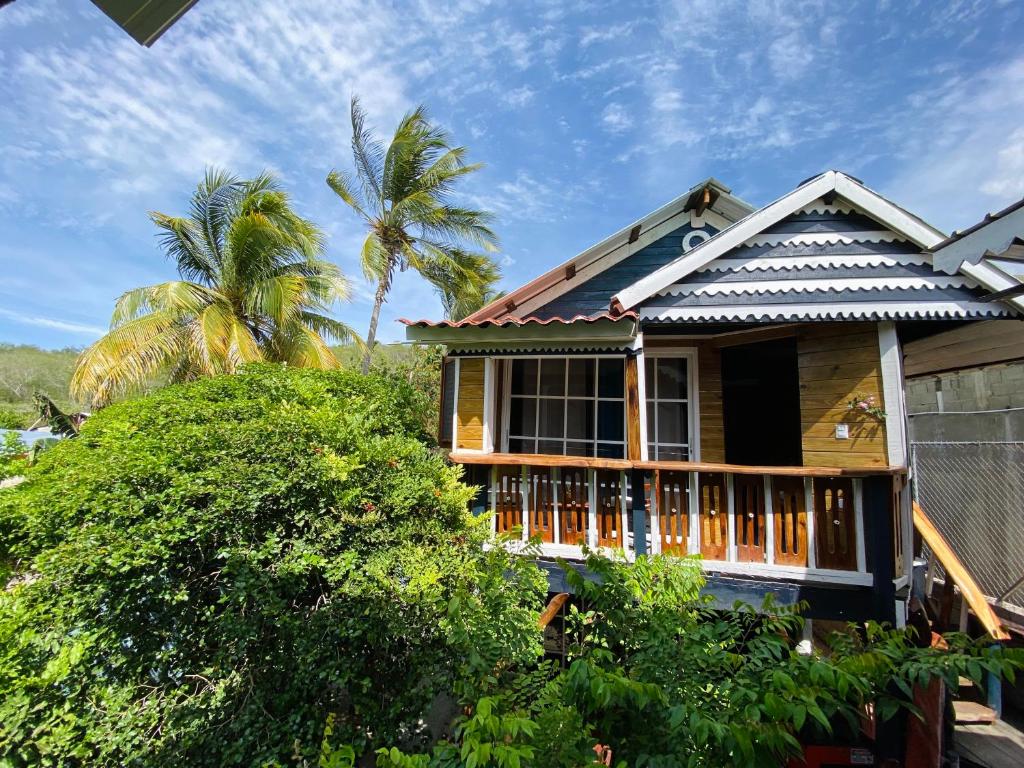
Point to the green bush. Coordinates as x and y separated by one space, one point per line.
206 574
12 455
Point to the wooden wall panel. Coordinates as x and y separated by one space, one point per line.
470 406
993 341
632 410
709 384
837 361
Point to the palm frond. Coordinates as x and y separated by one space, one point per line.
186 242
369 156
344 187
212 207
128 356
180 296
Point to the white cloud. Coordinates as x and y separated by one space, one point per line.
616 119
591 35
519 97
54 323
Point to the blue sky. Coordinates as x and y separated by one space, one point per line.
586 114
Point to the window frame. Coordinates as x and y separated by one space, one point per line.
649 399
565 398
442 440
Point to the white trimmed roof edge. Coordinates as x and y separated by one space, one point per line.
839 311
809 192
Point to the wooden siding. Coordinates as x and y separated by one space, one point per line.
837 361
712 422
972 346
632 410
470 407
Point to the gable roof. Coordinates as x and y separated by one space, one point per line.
710 200
827 261
827 185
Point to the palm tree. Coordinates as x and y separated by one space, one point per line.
254 287
402 192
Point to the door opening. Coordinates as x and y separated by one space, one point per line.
761 404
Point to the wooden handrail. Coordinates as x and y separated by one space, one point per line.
955 570
588 462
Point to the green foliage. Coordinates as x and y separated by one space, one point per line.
205 574
402 193
658 677
12 455
24 370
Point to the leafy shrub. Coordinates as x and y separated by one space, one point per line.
206 573
12 419
12 455
658 678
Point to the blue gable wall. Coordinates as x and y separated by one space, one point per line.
595 294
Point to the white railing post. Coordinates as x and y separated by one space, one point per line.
693 514
858 516
809 507
592 508
730 501
524 483
769 522
555 478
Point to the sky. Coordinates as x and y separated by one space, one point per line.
586 115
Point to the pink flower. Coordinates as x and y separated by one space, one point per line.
863 405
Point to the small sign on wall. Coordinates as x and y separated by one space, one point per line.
842 431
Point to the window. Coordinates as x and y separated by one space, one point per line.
448 384
570 407
668 408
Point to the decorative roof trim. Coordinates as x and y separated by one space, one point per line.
508 320
755 313
779 263
823 285
823 238
993 278
599 330
820 206
868 201
988 237
554 283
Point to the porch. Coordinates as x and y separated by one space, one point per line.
813 526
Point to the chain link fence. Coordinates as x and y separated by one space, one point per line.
974 493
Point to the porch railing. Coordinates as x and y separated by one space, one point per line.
804 523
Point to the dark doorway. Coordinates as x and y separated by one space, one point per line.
761 401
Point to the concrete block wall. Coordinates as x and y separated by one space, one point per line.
993 387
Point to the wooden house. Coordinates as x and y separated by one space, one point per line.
719 380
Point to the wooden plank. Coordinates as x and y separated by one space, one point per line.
955 570
712 516
541 504
632 409
712 418
860 354
673 512
552 610
758 334
609 509
835 528
748 492
790 515
965 712
574 505
470 404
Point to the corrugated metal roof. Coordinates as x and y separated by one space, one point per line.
508 321
989 218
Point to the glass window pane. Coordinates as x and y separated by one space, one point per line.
550 447
649 363
552 377
516 445
672 423
581 377
610 450
671 378
610 420
580 419
522 416
650 421
552 418
611 377
673 453
578 449
524 377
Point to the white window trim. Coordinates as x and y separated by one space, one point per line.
595 398
692 400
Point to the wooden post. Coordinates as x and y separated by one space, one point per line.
639 512
632 409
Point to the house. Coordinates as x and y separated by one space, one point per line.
721 380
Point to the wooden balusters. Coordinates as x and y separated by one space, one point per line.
541 504
835 526
748 495
713 515
574 505
508 501
609 509
673 511
790 513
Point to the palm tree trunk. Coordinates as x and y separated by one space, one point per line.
371 334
